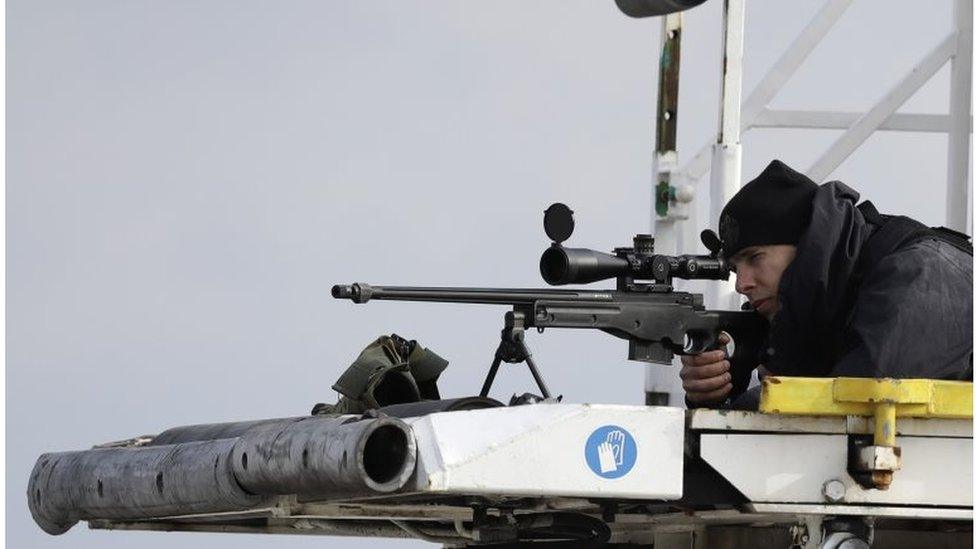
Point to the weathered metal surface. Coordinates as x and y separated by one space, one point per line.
130 483
667 89
214 431
878 458
320 456
326 456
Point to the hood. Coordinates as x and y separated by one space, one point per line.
815 290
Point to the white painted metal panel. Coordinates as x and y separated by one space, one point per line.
793 468
539 450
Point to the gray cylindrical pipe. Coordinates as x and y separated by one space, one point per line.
321 456
213 431
132 483
326 456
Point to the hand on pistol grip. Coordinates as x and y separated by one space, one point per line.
707 377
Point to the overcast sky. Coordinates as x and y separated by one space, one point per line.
186 180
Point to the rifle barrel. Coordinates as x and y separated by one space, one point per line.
361 293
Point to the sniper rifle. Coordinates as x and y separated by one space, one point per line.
657 321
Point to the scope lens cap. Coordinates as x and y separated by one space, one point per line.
711 241
558 221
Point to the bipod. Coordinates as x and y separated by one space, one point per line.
513 350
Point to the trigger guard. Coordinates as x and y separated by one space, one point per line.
697 343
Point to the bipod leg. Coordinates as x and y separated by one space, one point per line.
512 349
535 372
491 373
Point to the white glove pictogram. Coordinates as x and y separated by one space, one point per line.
607 462
616 441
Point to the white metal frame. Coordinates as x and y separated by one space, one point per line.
723 156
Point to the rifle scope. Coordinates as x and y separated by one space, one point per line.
560 265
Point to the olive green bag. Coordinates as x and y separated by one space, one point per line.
390 370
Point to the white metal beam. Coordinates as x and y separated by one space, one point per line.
781 71
727 151
788 63
833 120
871 120
958 200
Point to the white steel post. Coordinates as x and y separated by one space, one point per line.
775 78
727 151
958 202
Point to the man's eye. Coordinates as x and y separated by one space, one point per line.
755 256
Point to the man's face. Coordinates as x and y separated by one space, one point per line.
757 273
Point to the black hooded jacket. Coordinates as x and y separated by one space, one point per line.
910 316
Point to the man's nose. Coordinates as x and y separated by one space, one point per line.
743 281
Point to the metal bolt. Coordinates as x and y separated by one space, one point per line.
882 479
834 490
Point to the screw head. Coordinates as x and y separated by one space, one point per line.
834 490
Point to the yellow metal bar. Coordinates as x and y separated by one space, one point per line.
884 425
859 396
882 399
899 391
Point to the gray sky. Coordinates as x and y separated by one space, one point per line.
186 180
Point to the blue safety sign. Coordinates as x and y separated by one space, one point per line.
610 451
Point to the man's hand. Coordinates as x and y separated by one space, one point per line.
706 378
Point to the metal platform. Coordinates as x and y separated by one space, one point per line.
677 479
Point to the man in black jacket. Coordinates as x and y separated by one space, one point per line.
847 291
